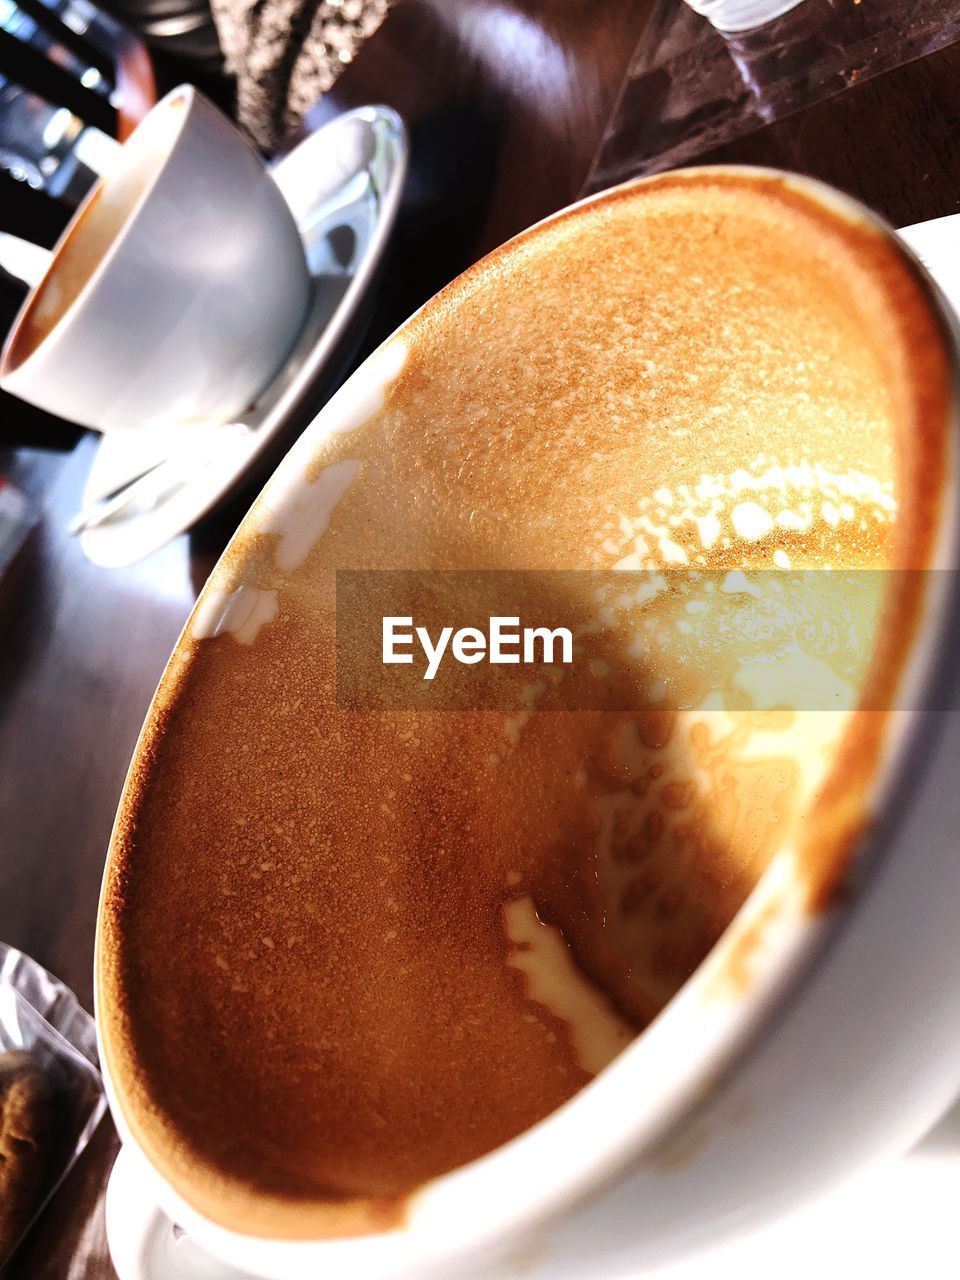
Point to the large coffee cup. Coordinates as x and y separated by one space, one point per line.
176 290
554 989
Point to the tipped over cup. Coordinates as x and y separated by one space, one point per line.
176 291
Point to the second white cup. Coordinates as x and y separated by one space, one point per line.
177 290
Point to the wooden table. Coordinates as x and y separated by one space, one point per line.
508 106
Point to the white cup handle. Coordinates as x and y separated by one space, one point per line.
24 261
144 1244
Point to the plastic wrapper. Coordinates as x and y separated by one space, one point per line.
51 1093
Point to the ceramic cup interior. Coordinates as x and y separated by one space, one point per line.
345 950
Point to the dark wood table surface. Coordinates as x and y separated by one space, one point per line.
508 105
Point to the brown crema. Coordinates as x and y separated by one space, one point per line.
340 954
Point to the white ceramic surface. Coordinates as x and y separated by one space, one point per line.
198 298
343 186
742 15
842 1049
892 1220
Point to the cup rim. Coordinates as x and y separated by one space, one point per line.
10 365
698 1037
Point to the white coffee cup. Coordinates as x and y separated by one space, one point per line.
177 289
744 1099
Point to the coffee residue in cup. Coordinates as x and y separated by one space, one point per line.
343 952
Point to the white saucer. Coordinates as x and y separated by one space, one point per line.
895 1220
343 184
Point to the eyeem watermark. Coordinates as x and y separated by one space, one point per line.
778 640
505 643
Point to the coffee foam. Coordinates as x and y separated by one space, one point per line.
343 953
